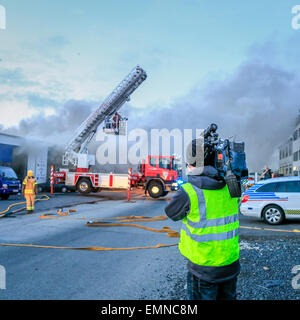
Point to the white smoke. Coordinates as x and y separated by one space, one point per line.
257 104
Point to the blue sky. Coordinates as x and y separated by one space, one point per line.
58 50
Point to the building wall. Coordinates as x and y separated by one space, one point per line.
296 150
37 162
22 155
8 143
19 163
8 139
289 153
286 158
6 153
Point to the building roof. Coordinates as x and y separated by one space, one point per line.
10 139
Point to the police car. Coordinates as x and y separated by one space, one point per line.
273 200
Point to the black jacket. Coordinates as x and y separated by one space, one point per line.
203 178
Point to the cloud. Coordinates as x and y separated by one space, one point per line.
40 102
13 111
23 96
257 104
14 77
56 128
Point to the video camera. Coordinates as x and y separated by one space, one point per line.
228 157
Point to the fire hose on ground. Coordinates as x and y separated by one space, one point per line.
8 212
129 221
122 222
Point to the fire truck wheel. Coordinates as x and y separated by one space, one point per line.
155 189
84 186
5 196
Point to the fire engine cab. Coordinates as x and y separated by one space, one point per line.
157 174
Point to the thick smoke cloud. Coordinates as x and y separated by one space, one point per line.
57 128
257 104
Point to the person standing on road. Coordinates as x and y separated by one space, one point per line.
29 190
267 174
209 234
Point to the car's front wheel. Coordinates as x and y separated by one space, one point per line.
273 215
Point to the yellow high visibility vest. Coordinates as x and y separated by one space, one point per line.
209 233
29 185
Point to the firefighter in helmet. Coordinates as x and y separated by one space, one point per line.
116 121
29 190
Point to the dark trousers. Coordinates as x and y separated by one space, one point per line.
198 289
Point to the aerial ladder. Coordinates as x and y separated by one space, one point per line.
76 152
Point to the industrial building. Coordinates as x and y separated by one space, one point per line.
289 153
296 150
24 154
286 158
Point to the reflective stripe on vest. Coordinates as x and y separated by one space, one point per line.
29 189
197 198
210 236
209 233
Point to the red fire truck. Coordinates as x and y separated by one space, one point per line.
156 173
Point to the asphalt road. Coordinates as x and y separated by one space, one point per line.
267 257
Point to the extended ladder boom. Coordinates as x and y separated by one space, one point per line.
86 131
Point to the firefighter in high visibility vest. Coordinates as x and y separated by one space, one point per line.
209 233
29 190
